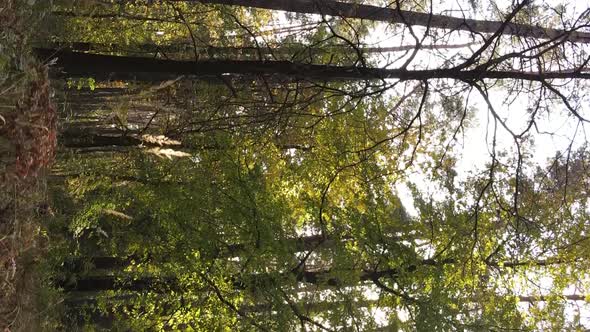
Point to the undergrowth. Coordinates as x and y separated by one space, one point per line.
27 147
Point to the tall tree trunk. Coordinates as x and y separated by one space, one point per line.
109 282
87 137
74 64
162 284
249 52
300 244
374 13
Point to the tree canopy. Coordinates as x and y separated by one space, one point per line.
320 165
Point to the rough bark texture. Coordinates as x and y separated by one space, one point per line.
103 67
163 284
244 51
374 13
92 137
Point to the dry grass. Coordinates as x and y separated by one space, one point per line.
21 247
27 146
28 136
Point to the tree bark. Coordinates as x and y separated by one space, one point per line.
161 284
99 141
300 244
105 67
383 14
80 137
108 282
250 52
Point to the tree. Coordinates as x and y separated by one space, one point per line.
73 64
245 52
285 216
397 15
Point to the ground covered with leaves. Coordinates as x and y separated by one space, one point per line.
27 148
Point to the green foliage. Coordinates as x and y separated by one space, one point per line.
286 216
82 83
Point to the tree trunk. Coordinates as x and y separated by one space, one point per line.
108 282
104 67
300 244
255 281
248 52
374 13
91 138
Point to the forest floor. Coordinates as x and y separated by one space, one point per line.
27 147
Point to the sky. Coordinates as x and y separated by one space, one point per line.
554 131
475 143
